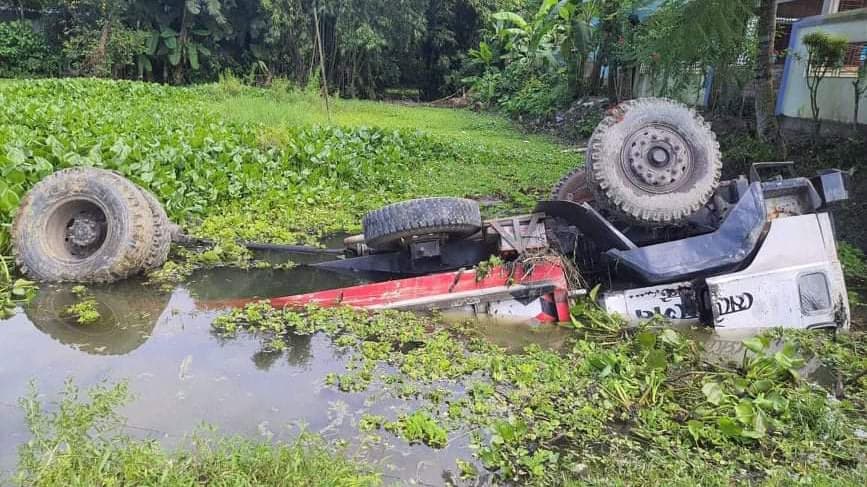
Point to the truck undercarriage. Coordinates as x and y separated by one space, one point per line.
647 220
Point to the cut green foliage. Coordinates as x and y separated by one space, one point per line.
615 405
81 442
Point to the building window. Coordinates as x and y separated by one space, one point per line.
855 54
855 57
851 5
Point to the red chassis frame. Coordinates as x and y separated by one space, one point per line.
540 291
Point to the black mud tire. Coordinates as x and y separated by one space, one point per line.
573 187
388 228
162 242
115 213
653 161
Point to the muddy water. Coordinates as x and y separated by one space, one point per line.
183 375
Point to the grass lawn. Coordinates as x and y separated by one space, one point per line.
488 157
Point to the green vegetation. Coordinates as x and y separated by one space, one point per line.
369 46
85 311
740 150
12 291
533 57
24 51
854 265
251 174
80 442
419 427
617 405
825 53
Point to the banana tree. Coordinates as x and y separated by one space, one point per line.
558 34
180 31
575 44
532 39
181 49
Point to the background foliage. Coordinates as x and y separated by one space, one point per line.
369 45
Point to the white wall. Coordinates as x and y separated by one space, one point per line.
836 95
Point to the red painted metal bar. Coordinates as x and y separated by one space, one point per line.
392 293
519 283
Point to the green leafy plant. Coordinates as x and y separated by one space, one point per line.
12 291
24 52
82 438
85 311
751 404
825 53
420 427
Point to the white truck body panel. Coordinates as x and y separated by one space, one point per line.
674 302
795 280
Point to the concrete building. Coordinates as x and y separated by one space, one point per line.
846 18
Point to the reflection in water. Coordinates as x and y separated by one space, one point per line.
128 313
297 353
514 334
225 283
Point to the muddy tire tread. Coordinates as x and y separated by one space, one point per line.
134 249
608 194
568 182
387 227
159 251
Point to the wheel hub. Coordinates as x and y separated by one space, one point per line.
656 159
85 232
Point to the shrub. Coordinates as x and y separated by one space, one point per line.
521 90
120 55
24 52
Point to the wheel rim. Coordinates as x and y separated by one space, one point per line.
657 159
75 230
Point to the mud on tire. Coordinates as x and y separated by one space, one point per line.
162 229
82 225
573 187
653 161
387 228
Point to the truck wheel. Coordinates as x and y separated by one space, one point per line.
159 251
653 161
389 227
82 225
573 187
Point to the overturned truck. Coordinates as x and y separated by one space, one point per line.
647 219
